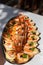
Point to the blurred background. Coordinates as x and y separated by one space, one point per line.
35 6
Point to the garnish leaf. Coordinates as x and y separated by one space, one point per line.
8 34
31 43
26 18
32 37
33 32
32 49
24 56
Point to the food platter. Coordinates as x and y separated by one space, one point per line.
24 43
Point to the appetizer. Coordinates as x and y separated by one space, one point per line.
20 39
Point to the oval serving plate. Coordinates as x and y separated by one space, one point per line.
29 48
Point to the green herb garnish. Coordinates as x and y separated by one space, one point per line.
26 18
24 56
32 49
8 34
31 43
32 37
33 32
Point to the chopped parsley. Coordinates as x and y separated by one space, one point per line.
33 32
32 49
31 43
26 18
8 34
24 55
33 38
